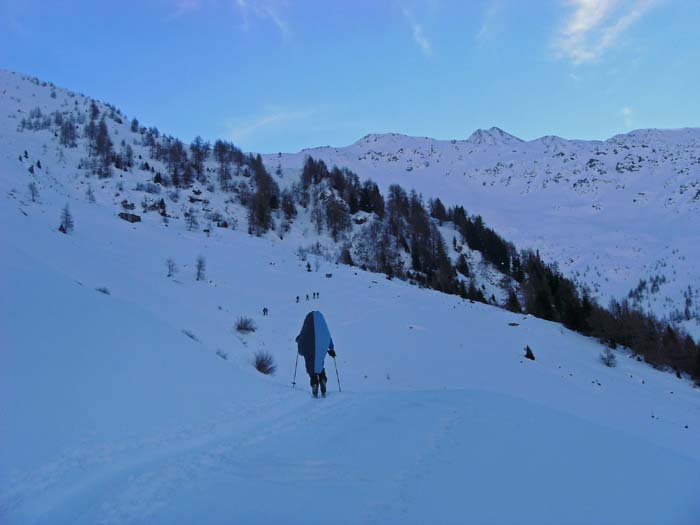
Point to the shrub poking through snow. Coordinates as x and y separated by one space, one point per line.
245 325
608 358
104 290
190 335
67 223
33 191
264 362
200 269
172 267
528 353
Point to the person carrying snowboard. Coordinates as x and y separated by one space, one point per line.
313 342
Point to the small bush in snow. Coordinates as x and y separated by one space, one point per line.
200 269
33 191
190 335
172 267
222 354
191 220
528 353
67 223
345 256
264 362
104 290
608 358
245 325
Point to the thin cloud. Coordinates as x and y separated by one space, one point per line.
266 11
184 6
418 35
574 77
270 119
595 26
489 21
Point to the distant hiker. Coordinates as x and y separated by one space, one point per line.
313 342
318 295
307 297
297 298
265 310
313 295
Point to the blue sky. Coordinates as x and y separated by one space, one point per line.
276 75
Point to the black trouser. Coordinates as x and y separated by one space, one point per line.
315 378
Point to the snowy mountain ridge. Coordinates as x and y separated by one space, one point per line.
492 137
609 213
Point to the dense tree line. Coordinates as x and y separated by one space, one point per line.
99 143
226 155
403 229
264 200
477 236
316 177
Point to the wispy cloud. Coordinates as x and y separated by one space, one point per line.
264 10
184 6
418 34
574 77
595 26
489 21
240 130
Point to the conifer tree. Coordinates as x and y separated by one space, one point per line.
172 268
200 269
67 223
33 191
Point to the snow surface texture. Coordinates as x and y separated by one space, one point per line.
139 403
609 213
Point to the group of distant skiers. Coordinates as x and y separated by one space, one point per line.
314 295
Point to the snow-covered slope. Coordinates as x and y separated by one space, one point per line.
126 396
113 414
608 212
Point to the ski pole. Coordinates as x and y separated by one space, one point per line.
294 381
336 374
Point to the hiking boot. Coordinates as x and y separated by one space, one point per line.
323 386
314 389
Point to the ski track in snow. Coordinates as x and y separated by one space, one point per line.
148 469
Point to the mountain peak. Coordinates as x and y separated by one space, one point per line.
381 138
492 137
